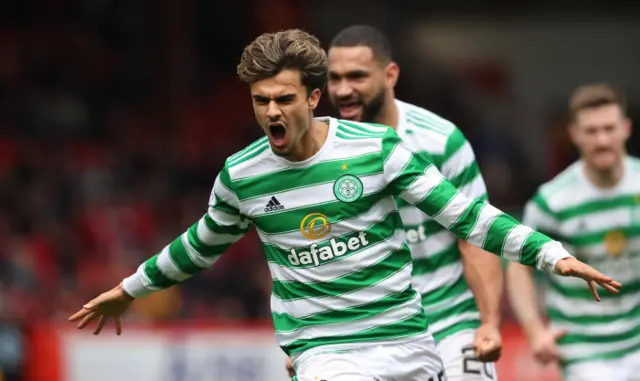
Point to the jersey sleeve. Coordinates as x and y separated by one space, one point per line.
412 177
460 167
197 248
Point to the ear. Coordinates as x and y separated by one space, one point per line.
314 99
573 133
392 73
628 127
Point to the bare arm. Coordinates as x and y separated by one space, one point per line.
523 299
483 272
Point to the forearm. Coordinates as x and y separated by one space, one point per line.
196 249
524 299
483 272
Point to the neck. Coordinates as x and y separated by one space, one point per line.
311 142
608 178
388 114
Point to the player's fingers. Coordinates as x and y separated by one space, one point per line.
87 319
101 321
594 291
80 314
608 287
118 321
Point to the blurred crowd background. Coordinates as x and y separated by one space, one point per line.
115 117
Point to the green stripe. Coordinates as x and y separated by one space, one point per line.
336 211
455 141
542 203
460 326
599 205
439 198
155 276
531 248
598 236
436 260
467 176
583 292
286 322
468 219
412 326
180 257
387 266
364 128
375 233
498 232
296 178
455 310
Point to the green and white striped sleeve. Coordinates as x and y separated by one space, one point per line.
415 179
539 216
460 167
197 248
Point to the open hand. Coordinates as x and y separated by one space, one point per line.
111 304
544 347
574 268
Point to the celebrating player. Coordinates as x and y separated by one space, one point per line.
362 77
594 208
320 193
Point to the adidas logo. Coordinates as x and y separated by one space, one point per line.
273 204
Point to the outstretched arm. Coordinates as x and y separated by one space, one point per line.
417 181
196 249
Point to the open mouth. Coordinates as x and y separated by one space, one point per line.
278 134
350 110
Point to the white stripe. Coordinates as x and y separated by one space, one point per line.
581 350
484 220
620 305
459 161
197 258
168 268
434 244
307 196
536 218
423 185
453 210
516 238
331 271
605 329
309 306
446 303
442 276
398 313
476 188
210 238
593 222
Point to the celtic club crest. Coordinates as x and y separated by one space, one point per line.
347 188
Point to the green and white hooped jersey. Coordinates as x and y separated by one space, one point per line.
602 228
333 237
437 267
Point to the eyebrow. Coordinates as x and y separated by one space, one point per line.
352 73
279 98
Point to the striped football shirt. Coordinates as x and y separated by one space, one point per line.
333 236
601 227
437 265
